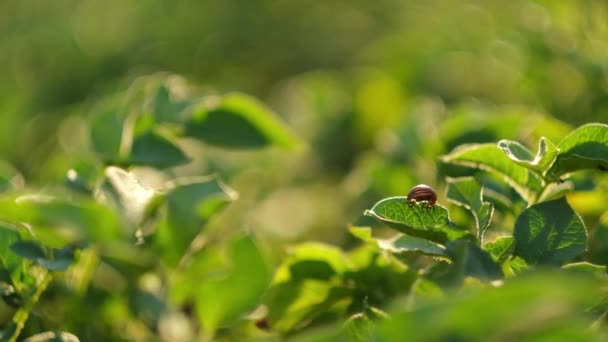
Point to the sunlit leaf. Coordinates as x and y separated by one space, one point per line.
490 158
190 204
408 244
521 155
416 219
500 249
549 233
125 192
239 121
584 148
226 297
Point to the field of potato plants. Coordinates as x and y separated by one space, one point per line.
282 171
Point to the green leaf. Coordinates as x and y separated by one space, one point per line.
408 244
312 260
293 305
489 157
500 249
304 285
467 192
556 190
540 306
468 260
29 250
400 243
64 219
11 264
549 233
123 191
153 149
598 271
106 134
166 109
540 163
239 121
473 261
224 298
584 148
362 233
60 259
191 202
416 219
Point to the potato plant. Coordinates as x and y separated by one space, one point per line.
130 245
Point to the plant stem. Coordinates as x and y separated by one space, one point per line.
23 313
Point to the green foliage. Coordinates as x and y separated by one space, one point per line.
584 148
549 233
468 193
238 121
417 219
489 157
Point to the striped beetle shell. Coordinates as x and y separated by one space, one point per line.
422 192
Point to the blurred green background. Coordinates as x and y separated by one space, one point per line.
375 61
377 90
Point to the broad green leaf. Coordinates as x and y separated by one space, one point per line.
224 298
50 258
60 259
11 265
153 149
122 190
408 244
549 233
489 157
467 192
106 134
468 260
362 233
500 249
400 243
190 204
293 305
166 108
416 219
584 148
522 156
239 121
556 190
311 260
305 285
515 265
63 219
130 260
29 250
587 268
541 306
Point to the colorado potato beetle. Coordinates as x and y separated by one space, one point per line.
422 192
